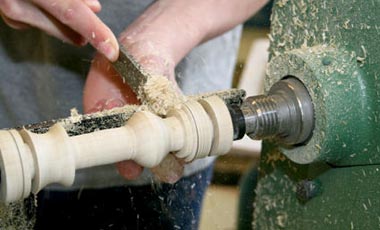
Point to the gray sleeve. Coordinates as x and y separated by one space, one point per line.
210 66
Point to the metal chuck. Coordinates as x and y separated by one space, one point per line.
286 114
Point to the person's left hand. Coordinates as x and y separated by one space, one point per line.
159 39
104 89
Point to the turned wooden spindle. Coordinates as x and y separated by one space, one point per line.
30 161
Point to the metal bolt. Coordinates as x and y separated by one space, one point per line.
326 61
308 189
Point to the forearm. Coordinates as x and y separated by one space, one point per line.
176 26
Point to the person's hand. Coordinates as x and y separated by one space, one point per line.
73 21
158 40
104 89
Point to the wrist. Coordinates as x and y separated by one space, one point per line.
166 29
173 27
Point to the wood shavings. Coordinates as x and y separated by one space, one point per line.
18 215
74 115
159 95
362 59
78 124
282 3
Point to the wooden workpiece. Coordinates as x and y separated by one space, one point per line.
30 161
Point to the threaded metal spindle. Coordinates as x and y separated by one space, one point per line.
261 117
280 115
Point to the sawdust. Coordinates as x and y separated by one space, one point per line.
18 215
74 115
78 124
282 3
159 95
231 96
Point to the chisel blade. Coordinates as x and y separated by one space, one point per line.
130 70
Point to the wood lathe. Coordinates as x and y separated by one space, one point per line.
38 155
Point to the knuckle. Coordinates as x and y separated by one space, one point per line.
67 12
67 15
11 9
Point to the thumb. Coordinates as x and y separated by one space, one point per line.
104 89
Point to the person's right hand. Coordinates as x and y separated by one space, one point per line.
73 21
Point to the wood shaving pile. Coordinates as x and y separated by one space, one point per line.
159 95
19 215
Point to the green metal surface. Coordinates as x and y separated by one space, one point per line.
332 182
332 46
348 197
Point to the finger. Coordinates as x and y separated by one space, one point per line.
104 85
77 15
129 169
14 24
27 13
170 170
94 5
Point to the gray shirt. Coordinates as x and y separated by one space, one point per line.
42 78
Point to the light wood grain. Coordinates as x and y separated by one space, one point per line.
30 161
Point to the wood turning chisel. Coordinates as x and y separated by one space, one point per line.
130 70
